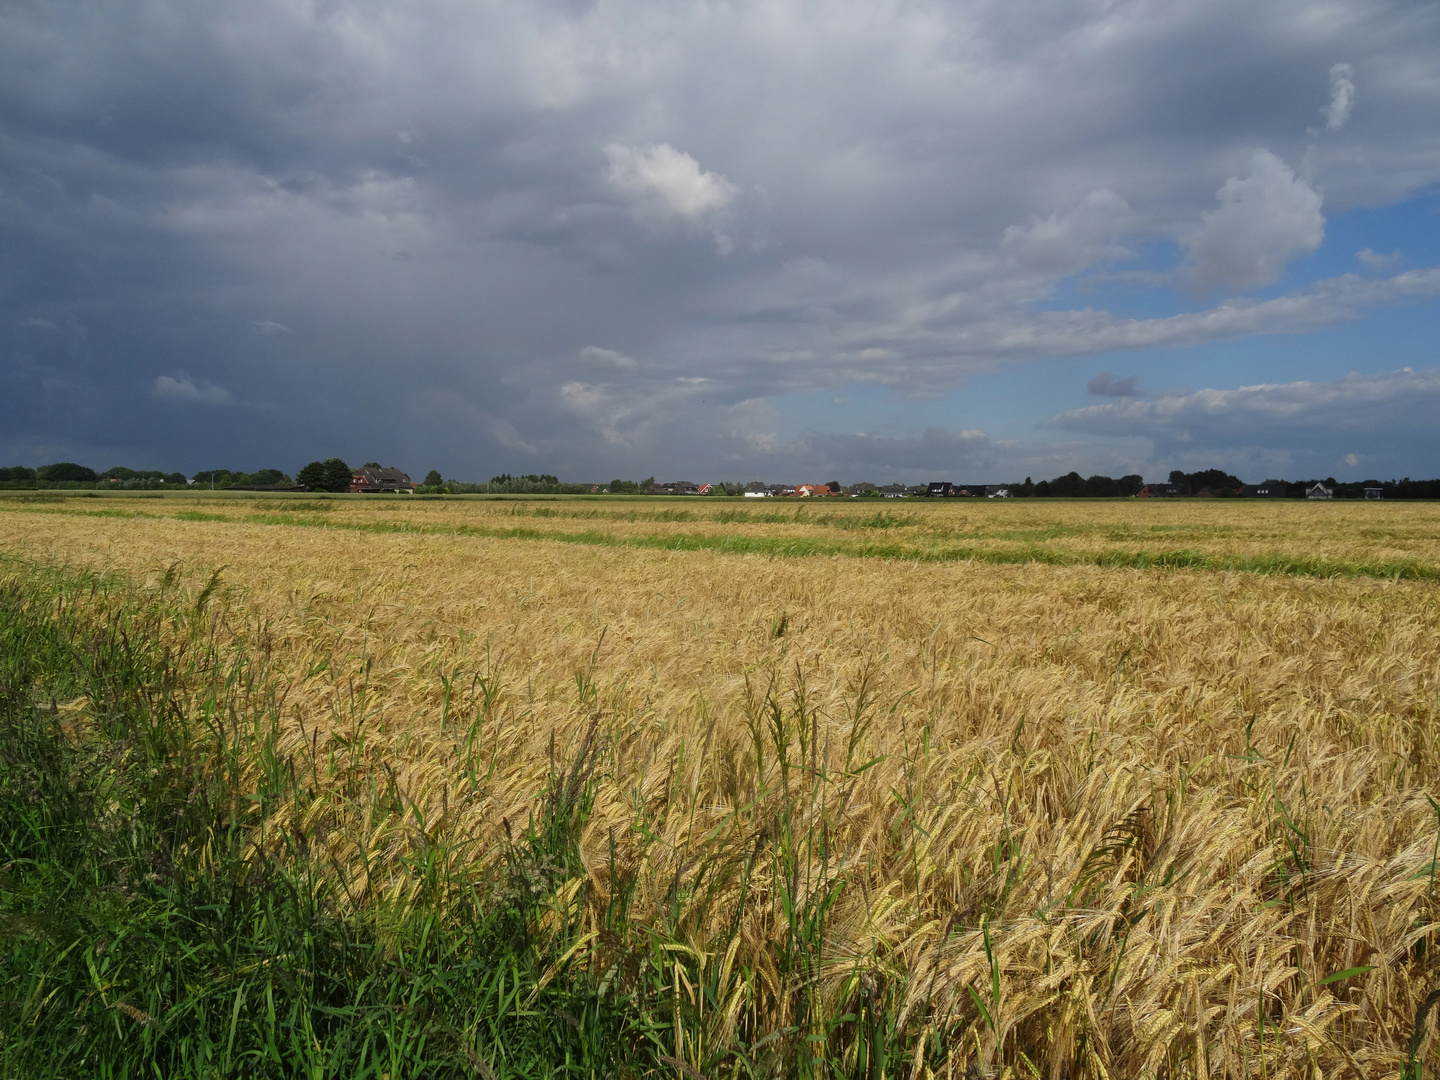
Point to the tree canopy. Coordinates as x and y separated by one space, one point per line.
64 471
1217 480
332 474
1073 486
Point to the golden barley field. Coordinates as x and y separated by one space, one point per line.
1051 801
1380 539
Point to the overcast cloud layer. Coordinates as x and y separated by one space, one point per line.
636 239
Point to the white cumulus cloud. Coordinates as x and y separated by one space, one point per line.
1264 220
1342 97
1066 243
665 186
183 390
1377 261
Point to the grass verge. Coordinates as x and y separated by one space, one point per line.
153 926
172 906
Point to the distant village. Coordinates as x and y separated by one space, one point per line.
946 489
334 475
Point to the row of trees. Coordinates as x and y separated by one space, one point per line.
1073 486
223 478
1218 483
1224 484
504 484
1070 486
333 474
1393 489
69 474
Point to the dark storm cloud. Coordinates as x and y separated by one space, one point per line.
591 237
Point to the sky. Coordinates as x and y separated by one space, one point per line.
777 240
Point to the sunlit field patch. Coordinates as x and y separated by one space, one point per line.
870 807
1396 540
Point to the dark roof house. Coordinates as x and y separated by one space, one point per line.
1270 489
372 480
1162 491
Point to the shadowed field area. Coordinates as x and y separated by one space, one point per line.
646 804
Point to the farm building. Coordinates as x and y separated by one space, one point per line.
1270 489
372 480
1163 491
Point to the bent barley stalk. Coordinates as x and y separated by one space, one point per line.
1056 820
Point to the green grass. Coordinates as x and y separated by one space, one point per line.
157 923
152 928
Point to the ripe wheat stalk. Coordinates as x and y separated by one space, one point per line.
1061 821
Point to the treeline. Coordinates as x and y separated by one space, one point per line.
504 484
69 475
1074 486
1392 489
1216 483
334 475
223 478
330 475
